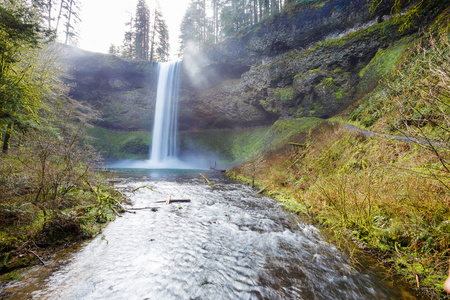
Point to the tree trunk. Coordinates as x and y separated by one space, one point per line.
49 18
255 11
61 7
69 16
7 138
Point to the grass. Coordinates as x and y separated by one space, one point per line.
374 191
389 196
120 144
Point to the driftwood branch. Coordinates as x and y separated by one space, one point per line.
34 253
115 212
262 190
144 186
215 168
206 180
168 201
154 208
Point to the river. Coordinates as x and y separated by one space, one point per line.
227 243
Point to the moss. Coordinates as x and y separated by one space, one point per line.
242 144
120 144
328 85
308 73
383 62
284 94
342 180
230 145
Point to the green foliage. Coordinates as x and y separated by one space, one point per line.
47 184
414 99
29 75
382 64
362 188
284 94
231 145
142 31
120 144
239 145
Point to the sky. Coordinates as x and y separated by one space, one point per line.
103 22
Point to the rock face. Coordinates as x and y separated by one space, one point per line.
306 61
123 92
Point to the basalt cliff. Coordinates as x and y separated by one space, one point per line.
314 59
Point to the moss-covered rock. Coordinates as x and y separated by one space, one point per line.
123 92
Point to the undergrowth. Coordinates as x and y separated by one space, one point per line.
390 196
50 196
373 190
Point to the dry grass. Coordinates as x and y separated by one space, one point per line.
376 191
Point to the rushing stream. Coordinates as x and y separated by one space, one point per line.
227 243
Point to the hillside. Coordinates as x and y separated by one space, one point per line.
390 196
332 54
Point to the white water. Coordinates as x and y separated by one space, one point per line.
163 151
164 139
228 243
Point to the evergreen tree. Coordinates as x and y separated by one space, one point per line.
67 11
113 50
72 17
142 31
162 32
192 27
127 45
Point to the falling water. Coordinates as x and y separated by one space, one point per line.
164 140
163 151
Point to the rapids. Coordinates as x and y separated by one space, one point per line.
227 243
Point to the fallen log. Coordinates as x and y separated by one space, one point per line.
174 201
206 180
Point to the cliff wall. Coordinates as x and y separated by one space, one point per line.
311 60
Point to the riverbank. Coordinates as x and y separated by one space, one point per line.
227 242
386 195
38 223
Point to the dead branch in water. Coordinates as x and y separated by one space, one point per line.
153 208
206 180
168 201
215 168
34 253
144 186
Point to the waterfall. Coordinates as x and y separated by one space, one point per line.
164 134
164 150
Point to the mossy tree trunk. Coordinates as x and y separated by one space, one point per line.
7 138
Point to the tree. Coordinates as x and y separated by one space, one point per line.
127 46
72 17
192 28
27 76
67 11
142 31
113 50
162 32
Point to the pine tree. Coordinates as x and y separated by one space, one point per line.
127 46
142 31
162 32
72 17
192 27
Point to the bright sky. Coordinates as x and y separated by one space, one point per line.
103 22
